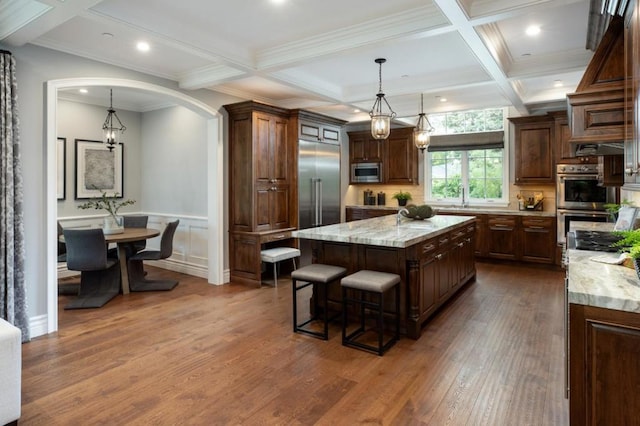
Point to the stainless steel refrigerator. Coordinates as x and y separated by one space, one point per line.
318 188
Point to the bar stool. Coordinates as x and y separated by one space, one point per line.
278 254
364 283
320 275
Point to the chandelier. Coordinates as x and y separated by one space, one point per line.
381 121
111 133
421 133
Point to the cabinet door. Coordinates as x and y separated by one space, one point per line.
443 266
428 280
538 239
501 237
364 149
534 153
632 99
401 158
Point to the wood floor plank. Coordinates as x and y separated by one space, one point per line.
203 354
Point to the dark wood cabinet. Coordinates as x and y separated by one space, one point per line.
537 238
261 169
400 161
364 149
534 158
632 97
604 366
429 276
397 154
501 237
358 213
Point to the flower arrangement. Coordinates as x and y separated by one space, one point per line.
106 202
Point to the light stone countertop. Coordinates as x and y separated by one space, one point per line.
470 210
384 231
598 284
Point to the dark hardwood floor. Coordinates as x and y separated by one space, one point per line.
203 354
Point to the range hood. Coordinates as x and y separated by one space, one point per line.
604 148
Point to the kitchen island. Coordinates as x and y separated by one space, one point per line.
603 342
434 258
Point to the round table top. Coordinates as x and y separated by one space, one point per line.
132 234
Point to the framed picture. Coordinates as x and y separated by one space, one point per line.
98 169
61 167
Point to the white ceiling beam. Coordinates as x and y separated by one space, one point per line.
460 21
57 13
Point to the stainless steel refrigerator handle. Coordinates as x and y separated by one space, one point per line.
319 201
314 201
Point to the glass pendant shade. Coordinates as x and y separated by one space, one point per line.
381 120
112 129
423 129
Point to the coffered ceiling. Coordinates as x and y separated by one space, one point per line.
319 55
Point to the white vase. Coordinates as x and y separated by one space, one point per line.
111 226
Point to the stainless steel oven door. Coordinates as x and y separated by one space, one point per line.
565 217
582 192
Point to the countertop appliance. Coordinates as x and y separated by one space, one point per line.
318 188
579 197
592 240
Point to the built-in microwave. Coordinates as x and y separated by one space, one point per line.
366 173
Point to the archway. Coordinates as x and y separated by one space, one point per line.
215 192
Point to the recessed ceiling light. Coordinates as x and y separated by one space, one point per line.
278 1
557 83
83 91
443 99
533 30
143 46
107 35
356 111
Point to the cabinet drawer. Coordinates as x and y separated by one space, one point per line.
538 222
502 222
277 236
428 248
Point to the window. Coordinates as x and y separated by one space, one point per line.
466 159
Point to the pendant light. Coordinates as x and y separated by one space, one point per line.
111 133
380 121
421 133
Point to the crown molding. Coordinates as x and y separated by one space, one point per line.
15 14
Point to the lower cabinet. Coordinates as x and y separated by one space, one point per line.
604 366
501 237
537 235
357 213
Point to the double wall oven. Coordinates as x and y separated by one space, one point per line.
580 196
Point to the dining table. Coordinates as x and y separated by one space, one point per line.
121 239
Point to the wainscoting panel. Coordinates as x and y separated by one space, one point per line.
190 254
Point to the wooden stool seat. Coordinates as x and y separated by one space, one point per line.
366 285
278 254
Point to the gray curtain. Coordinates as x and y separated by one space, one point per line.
13 301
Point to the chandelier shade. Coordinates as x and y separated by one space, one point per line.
381 119
112 129
423 129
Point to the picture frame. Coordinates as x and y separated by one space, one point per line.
61 168
98 169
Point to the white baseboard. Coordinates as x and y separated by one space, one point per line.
38 326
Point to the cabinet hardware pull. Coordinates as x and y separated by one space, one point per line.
535 227
279 237
460 244
438 256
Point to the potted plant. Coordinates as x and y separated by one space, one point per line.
613 208
110 203
402 197
630 244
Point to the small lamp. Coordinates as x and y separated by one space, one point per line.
421 133
380 120
111 133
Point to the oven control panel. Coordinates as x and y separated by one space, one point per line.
577 168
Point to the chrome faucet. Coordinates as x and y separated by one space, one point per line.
398 216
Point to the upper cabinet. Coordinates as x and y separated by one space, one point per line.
534 149
596 110
261 160
397 154
315 127
632 98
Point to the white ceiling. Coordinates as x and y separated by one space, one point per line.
319 55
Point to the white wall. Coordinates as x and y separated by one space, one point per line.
84 121
34 67
174 164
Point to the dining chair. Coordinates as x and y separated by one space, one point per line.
137 280
62 247
99 274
